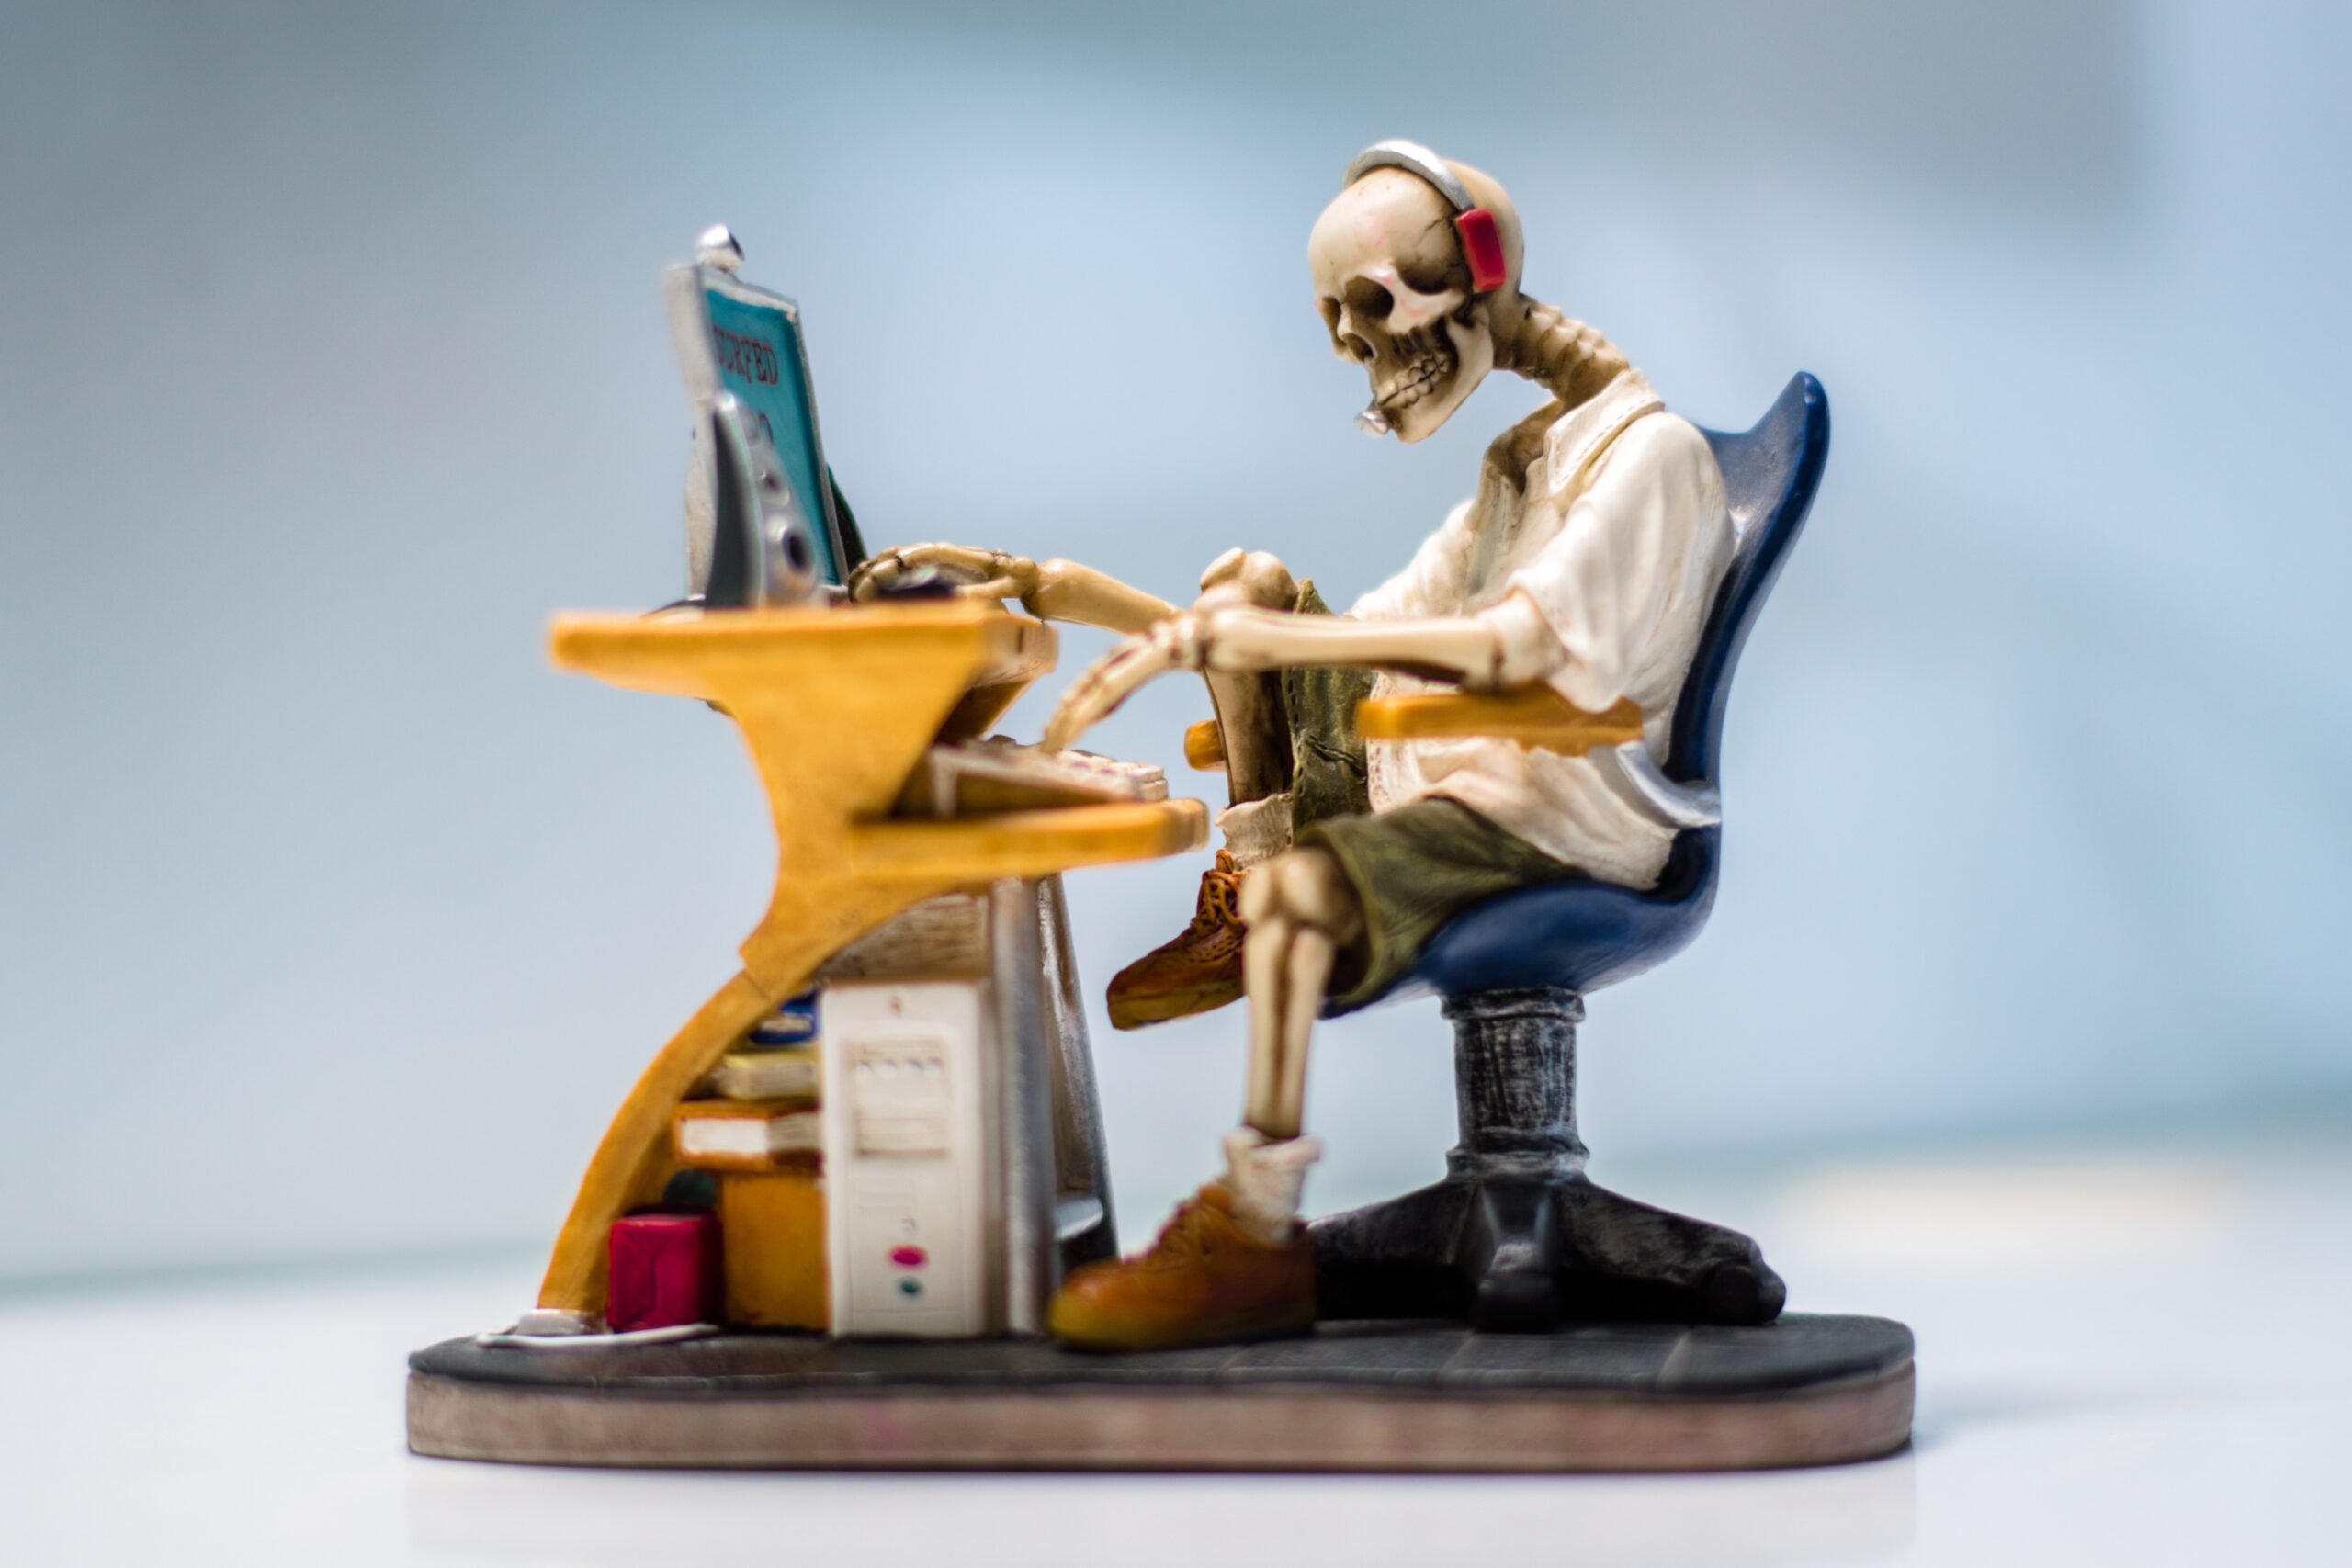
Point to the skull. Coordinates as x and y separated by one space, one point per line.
1394 292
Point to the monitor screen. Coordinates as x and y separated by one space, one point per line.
731 337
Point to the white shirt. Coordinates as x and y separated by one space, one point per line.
1618 535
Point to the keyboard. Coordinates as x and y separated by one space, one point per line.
963 778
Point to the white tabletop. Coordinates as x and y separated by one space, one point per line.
2126 1354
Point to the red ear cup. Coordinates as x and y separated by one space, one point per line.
1482 247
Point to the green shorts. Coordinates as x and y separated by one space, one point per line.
1413 868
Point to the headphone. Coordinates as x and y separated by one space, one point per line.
1482 243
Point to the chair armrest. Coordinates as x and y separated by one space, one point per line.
1535 715
1204 747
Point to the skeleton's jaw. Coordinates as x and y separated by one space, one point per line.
1431 373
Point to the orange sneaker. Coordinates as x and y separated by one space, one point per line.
1200 970
1205 1282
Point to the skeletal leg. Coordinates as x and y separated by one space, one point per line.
1264 959
1284 966
1304 980
1249 710
1301 911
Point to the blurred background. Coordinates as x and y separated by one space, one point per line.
333 923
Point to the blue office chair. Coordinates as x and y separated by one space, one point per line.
1515 1237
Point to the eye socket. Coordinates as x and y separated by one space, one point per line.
1436 280
1369 300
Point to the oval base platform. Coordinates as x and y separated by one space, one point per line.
1804 1390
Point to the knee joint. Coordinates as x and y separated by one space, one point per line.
1249 577
1303 887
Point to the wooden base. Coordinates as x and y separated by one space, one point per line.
1804 1390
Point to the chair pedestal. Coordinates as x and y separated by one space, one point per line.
1516 1238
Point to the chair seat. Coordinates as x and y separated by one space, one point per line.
1576 935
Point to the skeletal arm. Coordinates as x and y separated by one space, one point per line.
1051 591
1068 591
1508 645
1649 525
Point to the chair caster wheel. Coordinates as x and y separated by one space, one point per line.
1736 1293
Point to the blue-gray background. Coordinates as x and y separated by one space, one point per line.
331 364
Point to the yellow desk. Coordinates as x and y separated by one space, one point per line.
837 706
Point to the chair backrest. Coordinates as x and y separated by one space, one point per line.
1769 477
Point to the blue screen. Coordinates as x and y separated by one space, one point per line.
757 350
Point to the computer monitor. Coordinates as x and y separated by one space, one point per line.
732 338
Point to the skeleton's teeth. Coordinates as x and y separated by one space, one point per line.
1411 384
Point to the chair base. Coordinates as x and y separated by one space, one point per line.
1525 1256
1516 1238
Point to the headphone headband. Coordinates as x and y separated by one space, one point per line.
1482 244
1414 159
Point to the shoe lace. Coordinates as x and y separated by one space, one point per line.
1220 904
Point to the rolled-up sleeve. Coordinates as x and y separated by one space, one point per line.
1606 580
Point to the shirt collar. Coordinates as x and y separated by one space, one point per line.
1578 436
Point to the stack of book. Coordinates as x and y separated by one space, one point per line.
777 1059
758 1110
754 1124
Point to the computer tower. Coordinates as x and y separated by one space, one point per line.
962 1163
911 1157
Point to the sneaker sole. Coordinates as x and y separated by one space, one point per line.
1167 1006
1191 1336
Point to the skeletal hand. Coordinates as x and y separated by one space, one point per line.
1180 642
986 575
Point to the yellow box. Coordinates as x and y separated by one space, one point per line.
772 1226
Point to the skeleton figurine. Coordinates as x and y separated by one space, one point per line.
1586 560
